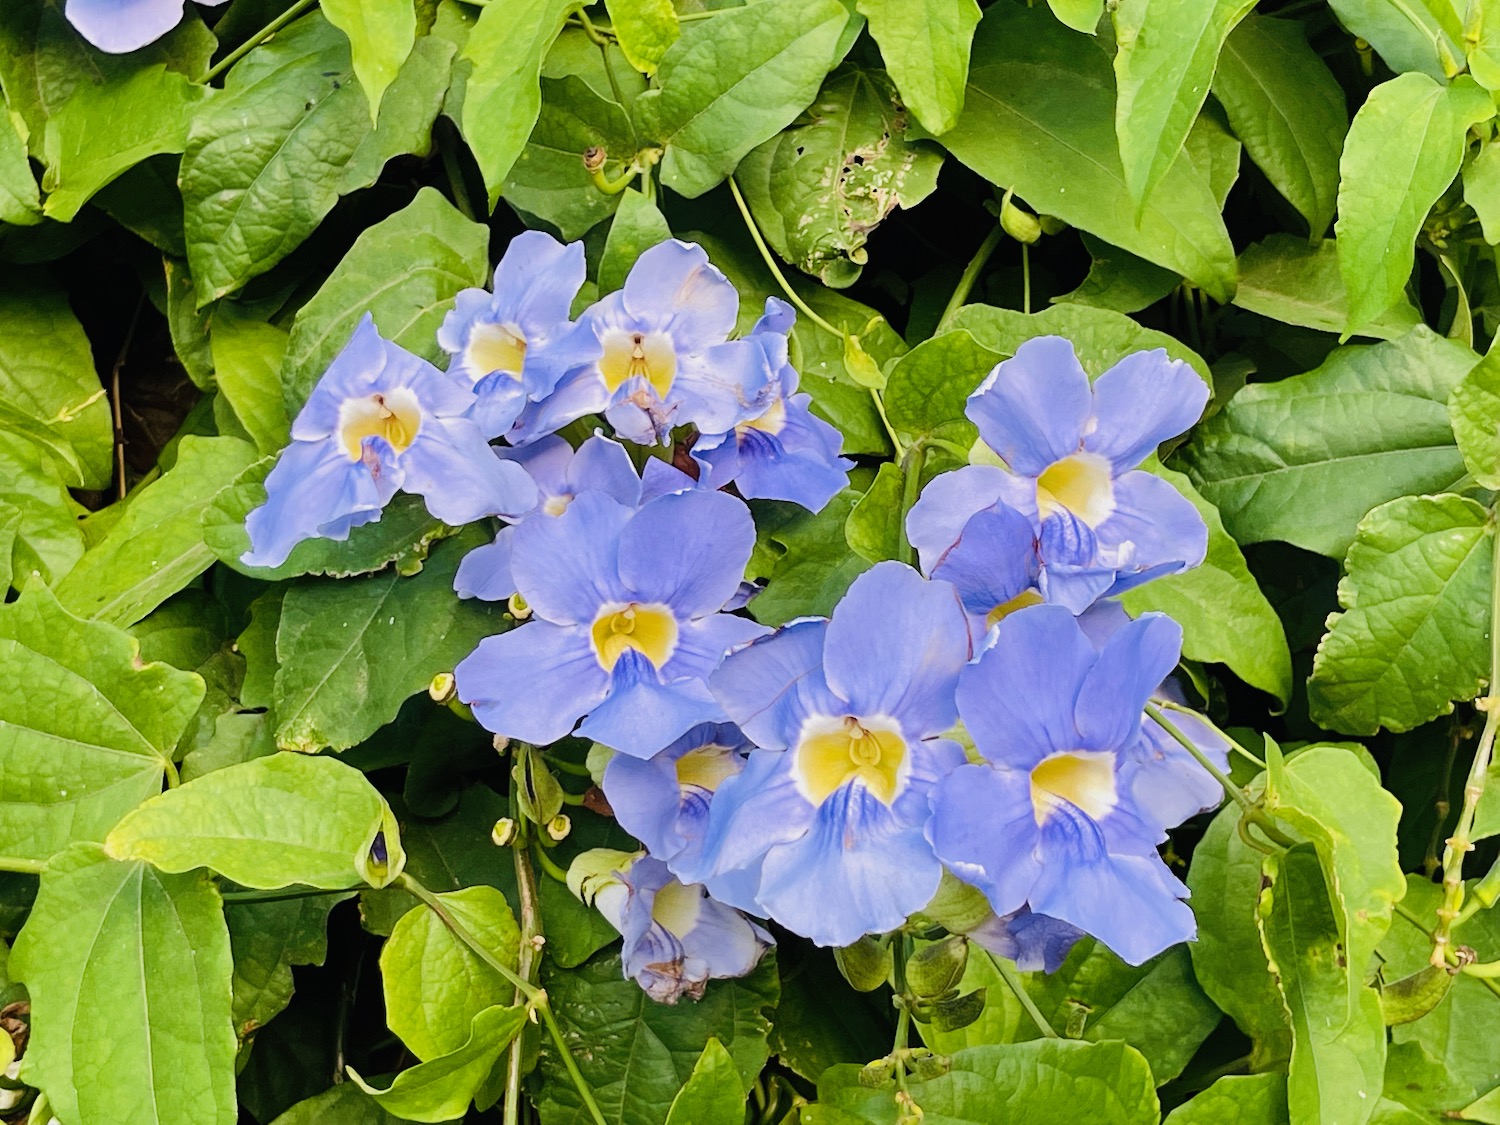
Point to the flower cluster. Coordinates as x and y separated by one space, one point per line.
977 722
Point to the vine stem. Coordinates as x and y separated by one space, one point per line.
18 866
1168 705
1013 981
531 943
1459 844
1230 788
911 485
770 260
536 998
257 39
970 276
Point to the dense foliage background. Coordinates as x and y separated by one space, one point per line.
1300 199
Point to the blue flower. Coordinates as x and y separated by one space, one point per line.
1048 821
662 356
782 452
677 938
1101 525
1035 942
513 345
118 26
848 712
380 421
627 625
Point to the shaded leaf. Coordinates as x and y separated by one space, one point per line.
1287 280
925 45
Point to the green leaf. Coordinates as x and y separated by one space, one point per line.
1417 582
46 535
441 1090
808 561
1482 190
925 45
1166 51
644 29
1286 106
155 548
641 1052
1474 410
351 652
638 225
1238 1099
929 386
821 1020
435 985
1120 281
381 35
20 199
1303 459
1287 280
404 271
1420 35
86 729
1224 616
280 821
267 939
1402 152
713 1092
821 186
1338 1047
345 1104
104 129
127 969
1039 118
873 529
736 80
501 96
247 355
1080 15
548 179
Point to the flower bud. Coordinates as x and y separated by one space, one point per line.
593 158
504 832
1019 223
501 744
937 968
559 826
866 964
861 366
518 607
442 687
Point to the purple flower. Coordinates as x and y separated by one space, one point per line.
119 26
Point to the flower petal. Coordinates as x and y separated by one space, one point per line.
674 287
937 518
454 469
484 573
313 486
567 567
688 550
641 714
771 686
119 26
1034 407
532 682
1129 667
1139 403
983 827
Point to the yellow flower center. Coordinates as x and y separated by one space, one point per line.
1006 608
706 767
771 422
649 629
395 416
496 347
834 751
638 355
1082 778
1081 484
676 907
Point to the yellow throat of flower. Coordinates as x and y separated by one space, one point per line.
649 629
638 355
1082 778
705 767
1081 484
393 415
496 347
834 751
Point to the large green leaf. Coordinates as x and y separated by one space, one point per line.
267 939
155 547
278 821
638 225
1166 51
404 271
1474 410
929 386
44 535
1287 280
821 186
1288 109
1421 35
1412 637
1224 616
1039 118
1338 1046
713 1092
1402 152
247 355
501 95
86 729
1302 460
1238 1099
640 1052
645 29
925 45
127 970
345 1104
731 82
807 560
381 34
351 652
435 984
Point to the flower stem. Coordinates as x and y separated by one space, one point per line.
257 39
970 276
1230 788
1013 981
770 260
1459 844
1168 705
19 866
531 942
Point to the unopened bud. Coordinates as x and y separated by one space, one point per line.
559 826
593 158
504 832
518 607
861 366
1020 224
442 687
501 744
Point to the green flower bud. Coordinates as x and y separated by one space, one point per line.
504 832
866 964
936 969
1020 224
559 826
518 607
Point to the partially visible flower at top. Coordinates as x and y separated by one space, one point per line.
1102 526
849 712
119 26
677 938
663 355
380 421
1048 820
782 452
627 623
512 345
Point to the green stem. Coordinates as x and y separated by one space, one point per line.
20 866
549 867
1230 788
770 260
1168 705
590 28
1013 981
283 894
899 955
911 486
608 186
531 941
970 276
1026 279
890 431
1482 895
1459 844
257 39
174 779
